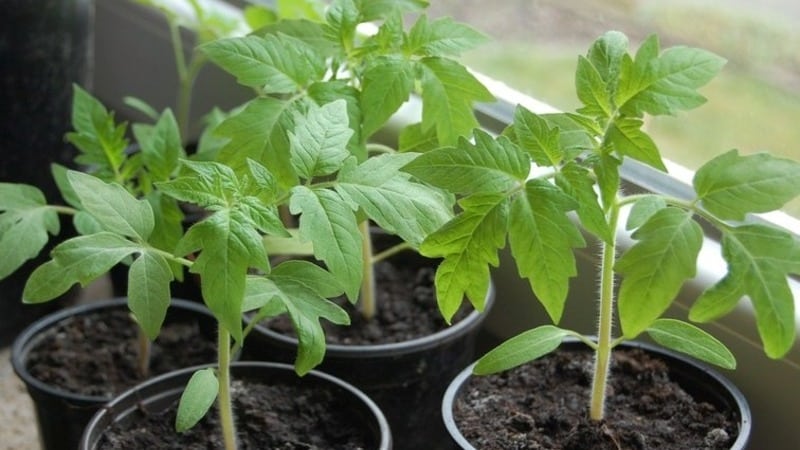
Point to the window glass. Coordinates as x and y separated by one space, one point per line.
754 104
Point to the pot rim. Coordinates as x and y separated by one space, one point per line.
472 321
108 409
745 415
30 337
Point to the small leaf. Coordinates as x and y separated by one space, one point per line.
731 186
330 91
469 245
577 182
319 140
655 268
643 209
148 291
210 184
488 165
449 91
592 90
520 349
414 139
628 139
114 208
387 84
542 240
442 37
718 300
162 149
25 222
101 142
197 398
535 136
331 226
686 338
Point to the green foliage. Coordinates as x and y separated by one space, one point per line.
197 398
577 159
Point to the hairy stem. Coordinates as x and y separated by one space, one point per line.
606 311
143 353
368 275
224 397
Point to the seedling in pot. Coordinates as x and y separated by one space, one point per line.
577 157
296 66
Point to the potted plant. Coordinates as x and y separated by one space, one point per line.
324 75
577 157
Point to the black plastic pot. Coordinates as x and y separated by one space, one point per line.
45 46
697 379
406 379
62 415
161 392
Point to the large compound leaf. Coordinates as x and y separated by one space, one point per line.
25 221
303 289
112 206
542 240
759 260
655 268
469 245
392 199
319 140
731 186
488 165
330 224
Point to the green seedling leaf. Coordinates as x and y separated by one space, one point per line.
606 55
576 182
81 260
521 349
542 239
449 91
668 84
291 245
414 139
25 223
387 84
114 208
687 338
643 209
100 140
278 64
628 139
161 149
260 132
489 165
731 186
655 268
442 37
142 107
331 91
592 90
64 187
392 199
228 245
303 288
534 135
469 245
148 291
330 224
343 16
197 398
209 184
381 9
759 260
319 140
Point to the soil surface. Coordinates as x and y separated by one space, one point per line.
406 308
544 405
96 354
292 418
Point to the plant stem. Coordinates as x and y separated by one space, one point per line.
606 317
368 276
391 251
144 353
224 397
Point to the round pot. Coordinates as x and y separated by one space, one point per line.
159 393
698 380
406 379
62 415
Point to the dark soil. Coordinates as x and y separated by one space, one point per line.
292 418
96 354
544 405
406 309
